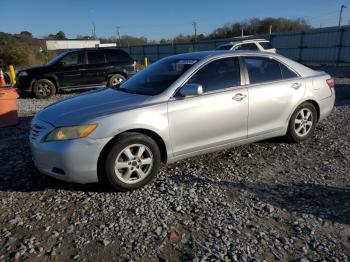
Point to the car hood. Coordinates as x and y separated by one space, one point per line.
90 106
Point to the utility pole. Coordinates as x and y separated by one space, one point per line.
118 34
93 30
194 23
341 13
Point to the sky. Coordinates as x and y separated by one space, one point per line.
155 19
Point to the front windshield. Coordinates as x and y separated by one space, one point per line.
57 58
157 77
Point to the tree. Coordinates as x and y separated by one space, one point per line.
60 35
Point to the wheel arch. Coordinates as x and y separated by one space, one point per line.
156 137
47 77
317 107
124 74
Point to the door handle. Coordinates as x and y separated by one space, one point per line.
239 97
296 85
82 69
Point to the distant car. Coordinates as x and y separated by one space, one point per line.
82 68
180 106
251 45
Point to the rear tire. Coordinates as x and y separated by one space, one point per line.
132 162
44 89
116 79
303 122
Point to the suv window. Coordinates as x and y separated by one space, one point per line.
96 57
117 56
224 47
263 70
219 74
250 46
265 45
75 58
287 73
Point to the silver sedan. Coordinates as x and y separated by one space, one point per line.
179 107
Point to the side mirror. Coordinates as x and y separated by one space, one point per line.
191 90
59 64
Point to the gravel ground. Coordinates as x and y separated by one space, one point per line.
272 201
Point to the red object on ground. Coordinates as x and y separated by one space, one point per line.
8 107
2 79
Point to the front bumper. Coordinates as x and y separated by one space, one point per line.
24 83
71 160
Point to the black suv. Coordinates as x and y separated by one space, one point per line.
81 68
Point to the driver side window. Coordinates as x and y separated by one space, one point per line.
217 75
75 58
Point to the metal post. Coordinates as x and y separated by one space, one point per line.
340 44
12 75
341 13
301 46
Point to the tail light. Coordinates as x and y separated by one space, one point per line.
330 82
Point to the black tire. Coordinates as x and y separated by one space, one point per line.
116 79
43 89
117 152
293 134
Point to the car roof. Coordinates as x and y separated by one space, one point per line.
246 41
217 53
96 49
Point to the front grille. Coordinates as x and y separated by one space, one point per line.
36 131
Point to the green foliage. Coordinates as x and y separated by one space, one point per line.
60 35
22 50
257 26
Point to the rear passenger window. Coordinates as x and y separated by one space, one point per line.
219 74
96 58
287 73
251 47
263 70
117 56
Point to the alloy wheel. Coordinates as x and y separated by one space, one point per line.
134 163
303 122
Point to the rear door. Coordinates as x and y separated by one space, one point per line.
96 70
274 91
70 69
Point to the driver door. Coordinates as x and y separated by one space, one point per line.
217 117
71 70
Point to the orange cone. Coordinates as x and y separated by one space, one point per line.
2 79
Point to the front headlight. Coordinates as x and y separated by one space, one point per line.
22 73
70 132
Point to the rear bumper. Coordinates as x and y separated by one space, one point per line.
326 106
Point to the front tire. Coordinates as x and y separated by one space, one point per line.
116 79
132 162
43 89
302 123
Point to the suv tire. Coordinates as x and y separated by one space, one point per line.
43 89
116 79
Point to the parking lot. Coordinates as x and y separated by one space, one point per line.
270 201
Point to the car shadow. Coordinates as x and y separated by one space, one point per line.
321 201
